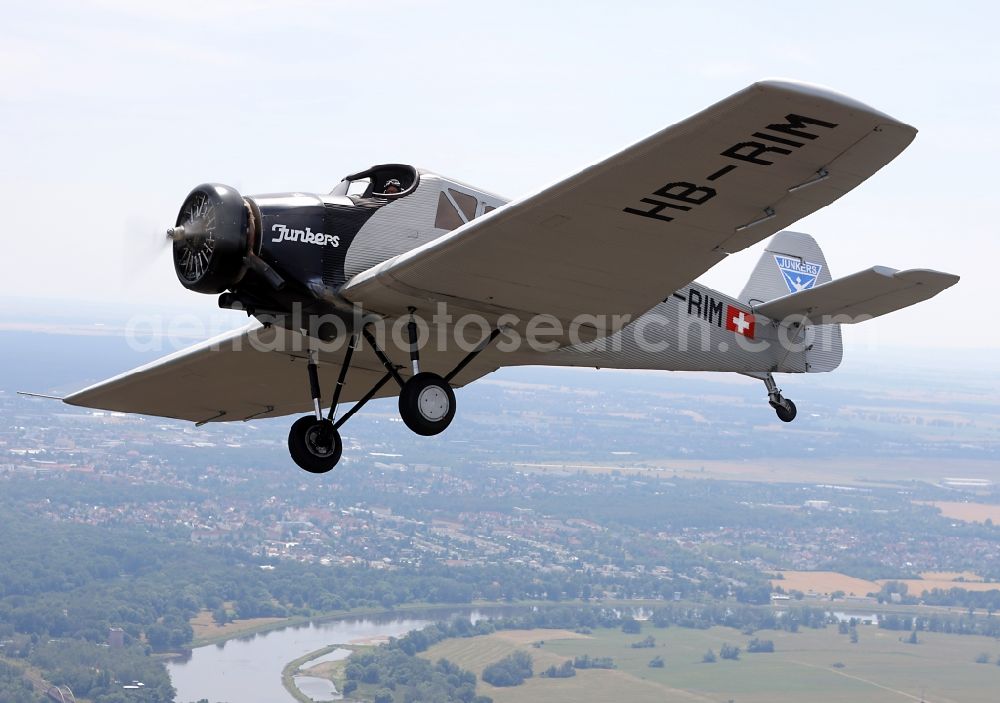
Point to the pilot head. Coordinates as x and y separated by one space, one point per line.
392 186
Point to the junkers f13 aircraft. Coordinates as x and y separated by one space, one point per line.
371 288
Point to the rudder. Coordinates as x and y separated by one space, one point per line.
792 262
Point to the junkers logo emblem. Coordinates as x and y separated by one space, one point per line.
307 236
799 274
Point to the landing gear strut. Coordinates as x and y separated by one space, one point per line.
426 402
783 407
313 440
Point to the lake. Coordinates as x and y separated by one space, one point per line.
248 670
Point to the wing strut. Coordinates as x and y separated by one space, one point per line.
343 375
392 370
357 406
386 362
473 354
351 346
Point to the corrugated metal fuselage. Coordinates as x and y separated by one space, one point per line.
687 331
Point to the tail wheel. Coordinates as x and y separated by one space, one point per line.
315 445
427 404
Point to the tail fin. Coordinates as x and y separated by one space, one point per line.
793 262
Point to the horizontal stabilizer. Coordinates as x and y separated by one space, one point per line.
860 296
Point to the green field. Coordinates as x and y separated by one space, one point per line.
878 669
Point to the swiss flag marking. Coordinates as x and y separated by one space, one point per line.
739 322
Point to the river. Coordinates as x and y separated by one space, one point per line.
248 670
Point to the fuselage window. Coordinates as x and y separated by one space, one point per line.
465 202
447 216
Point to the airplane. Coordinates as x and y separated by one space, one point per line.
403 282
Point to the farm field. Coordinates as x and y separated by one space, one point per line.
880 668
852 471
916 586
968 512
824 582
827 582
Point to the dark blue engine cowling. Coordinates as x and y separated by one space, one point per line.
306 239
270 252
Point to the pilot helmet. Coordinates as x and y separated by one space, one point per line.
392 182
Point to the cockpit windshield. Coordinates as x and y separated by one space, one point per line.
358 187
387 181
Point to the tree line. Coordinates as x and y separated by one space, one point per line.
390 675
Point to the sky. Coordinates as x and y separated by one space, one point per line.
113 110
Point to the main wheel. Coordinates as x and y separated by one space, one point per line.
427 404
785 410
314 444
